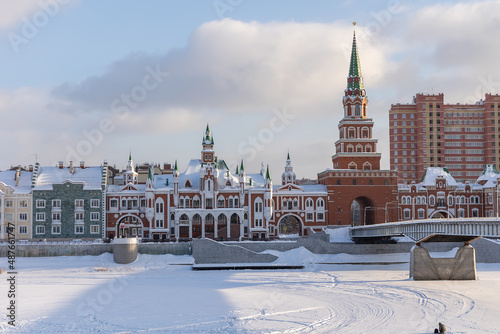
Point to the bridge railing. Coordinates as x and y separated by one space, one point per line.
421 229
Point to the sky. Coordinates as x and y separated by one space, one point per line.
93 80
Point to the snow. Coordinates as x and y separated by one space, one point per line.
90 176
340 234
161 293
433 172
24 185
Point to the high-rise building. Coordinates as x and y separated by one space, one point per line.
462 138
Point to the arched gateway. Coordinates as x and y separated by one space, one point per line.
362 211
290 225
129 226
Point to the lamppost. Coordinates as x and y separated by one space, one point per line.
364 220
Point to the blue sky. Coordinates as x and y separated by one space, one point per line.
240 65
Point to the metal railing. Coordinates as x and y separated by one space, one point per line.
421 229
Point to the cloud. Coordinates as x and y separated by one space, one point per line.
235 66
13 12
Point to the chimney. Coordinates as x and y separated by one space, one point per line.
60 165
71 170
82 164
18 174
30 168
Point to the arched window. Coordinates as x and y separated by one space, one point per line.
432 200
450 200
320 203
357 110
159 205
258 205
309 203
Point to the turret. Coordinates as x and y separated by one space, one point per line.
130 175
150 196
288 175
207 152
268 195
241 180
176 178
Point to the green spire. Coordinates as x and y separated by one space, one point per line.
241 167
208 129
237 171
150 175
288 156
130 156
268 175
355 79
175 167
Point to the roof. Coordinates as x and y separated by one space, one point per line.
488 177
91 177
24 185
431 173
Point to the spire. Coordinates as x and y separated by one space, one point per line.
288 156
175 166
237 171
268 175
130 156
355 79
208 139
150 174
242 168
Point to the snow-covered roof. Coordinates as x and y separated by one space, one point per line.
114 188
431 173
90 176
488 177
24 185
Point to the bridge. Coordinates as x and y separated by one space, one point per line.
422 265
431 230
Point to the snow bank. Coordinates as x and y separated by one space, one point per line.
339 234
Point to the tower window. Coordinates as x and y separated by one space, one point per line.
357 110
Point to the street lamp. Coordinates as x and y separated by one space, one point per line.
364 220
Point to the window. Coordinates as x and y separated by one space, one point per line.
23 216
159 223
94 203
56 204
431 200
220 203
258 206
309 216
159 207
40 229
79 229
94 216
56 217
258 223
79 204
40 216
56 229
421 213
23 229
94 229
407 214
9 203
208 203
320 216
113 203
79 217
40 203
236 202
23 203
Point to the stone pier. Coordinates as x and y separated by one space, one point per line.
460 267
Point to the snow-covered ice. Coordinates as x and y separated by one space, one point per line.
162 294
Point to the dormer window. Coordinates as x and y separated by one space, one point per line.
188 184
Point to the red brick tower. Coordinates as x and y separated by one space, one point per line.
356 149
359 193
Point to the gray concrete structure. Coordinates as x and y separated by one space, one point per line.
460 267
39 249
125 250
210 251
